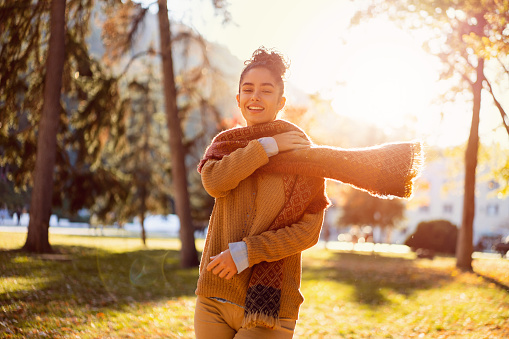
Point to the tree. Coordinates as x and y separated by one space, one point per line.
15 200
189 255
142 159
360 208
465 35
76 119
40 206
123 26
148 169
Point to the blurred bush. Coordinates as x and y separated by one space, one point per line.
436 235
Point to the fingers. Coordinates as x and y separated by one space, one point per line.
222 271
230 275
213 263
219 270
222 265
295 136
291 140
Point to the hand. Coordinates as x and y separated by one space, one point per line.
223 265
292 140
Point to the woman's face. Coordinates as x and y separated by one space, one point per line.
260 97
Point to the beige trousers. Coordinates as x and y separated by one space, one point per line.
219 320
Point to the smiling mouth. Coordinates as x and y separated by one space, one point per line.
255 108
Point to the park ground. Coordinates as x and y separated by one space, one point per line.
107 287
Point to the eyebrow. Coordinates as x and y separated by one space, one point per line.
263 84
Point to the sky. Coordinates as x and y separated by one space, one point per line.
373 72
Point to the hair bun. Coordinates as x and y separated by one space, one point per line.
271 59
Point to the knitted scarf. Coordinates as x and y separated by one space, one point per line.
384 171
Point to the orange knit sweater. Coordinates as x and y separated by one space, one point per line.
245 207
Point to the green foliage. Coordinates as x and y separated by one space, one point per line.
24 35
141 157
199 88
437 235
91 109
493 158
11 198
93 137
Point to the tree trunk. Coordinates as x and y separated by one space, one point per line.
188 253
144 174
143 233
464 246
40 205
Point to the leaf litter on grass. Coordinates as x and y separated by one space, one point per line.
387 297
113 288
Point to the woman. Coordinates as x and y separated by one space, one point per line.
269 188
246 205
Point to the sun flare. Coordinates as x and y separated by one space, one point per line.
379 75
374 72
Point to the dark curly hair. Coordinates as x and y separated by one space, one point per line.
271 60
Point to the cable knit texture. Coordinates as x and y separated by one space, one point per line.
294 202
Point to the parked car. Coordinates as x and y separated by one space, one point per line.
487 242
502 247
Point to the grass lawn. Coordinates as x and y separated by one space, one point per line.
101 287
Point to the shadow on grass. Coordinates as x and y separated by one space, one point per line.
494 281
373 277
92 279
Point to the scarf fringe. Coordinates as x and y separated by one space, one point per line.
415 168
260 319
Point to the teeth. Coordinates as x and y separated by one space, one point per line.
256 108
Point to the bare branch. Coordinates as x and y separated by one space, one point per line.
503 114
503 66
453 66
134 57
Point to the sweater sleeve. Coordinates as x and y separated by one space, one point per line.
277 244
221 176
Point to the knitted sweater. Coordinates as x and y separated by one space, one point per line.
245 206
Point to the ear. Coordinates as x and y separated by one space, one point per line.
282 103
238 100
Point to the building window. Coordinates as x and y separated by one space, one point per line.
447 208
492 210
424 208
493 185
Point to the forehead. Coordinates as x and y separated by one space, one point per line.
258 76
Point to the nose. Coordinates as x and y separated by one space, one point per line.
255 96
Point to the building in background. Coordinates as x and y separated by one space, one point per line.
439 195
